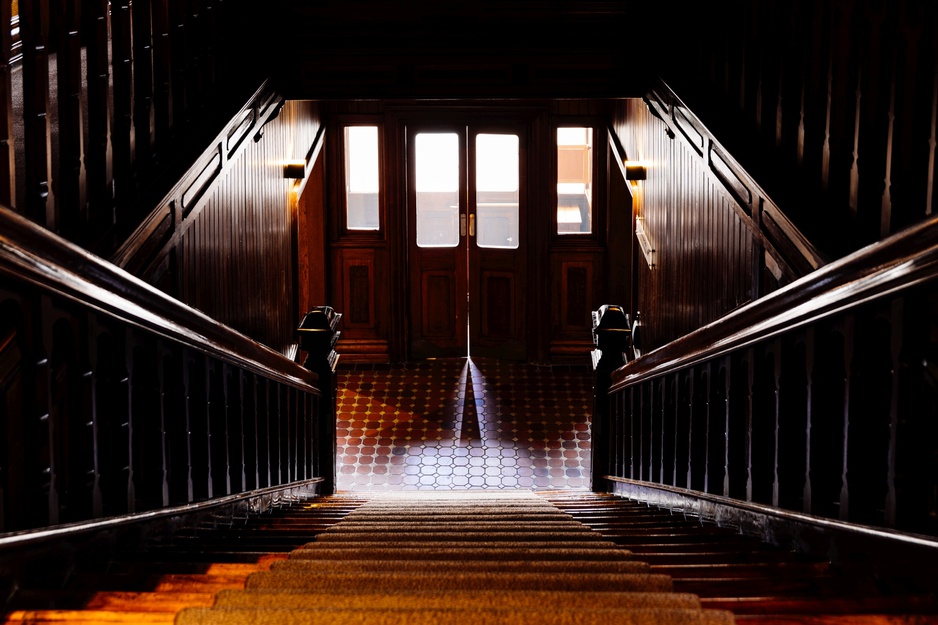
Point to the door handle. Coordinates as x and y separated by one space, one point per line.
462 224
472 225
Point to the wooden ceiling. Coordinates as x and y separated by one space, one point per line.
509 49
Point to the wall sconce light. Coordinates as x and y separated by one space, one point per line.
634 170
295 170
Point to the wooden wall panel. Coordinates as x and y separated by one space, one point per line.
577 290
37 192
237 261
359 290
7 152
108 96
68 171
704 249
833 104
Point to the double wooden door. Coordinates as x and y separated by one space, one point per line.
466 218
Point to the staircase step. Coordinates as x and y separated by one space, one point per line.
581 534
460 552
328 616
438 599
544 567
451 544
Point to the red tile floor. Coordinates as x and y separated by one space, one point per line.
463 423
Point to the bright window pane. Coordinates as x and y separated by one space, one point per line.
436 162
361 177
497 191
574 180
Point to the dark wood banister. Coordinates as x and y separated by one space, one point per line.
35 255
904 260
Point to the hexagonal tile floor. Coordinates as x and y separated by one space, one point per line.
463 423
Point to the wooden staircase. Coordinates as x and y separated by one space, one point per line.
473 556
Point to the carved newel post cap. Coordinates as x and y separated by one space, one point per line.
611 328
318 334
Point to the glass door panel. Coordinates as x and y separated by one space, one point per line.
436 170
497 190
466 256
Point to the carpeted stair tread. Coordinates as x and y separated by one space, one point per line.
438 599
447 566
584 535
462 553
467 526
451 544
456 517
327 616
639 582
430 558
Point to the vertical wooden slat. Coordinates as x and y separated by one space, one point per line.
165 427
195 46
187 377
242 420
808 496
708 394
7 151
268 433
44 481
94 424
776 434
890 515
162 56
98 148
122 138
691 433
212 38
848 362
748 444
210 461
634 426
640 456
69 187
178 70
143 85
127 406
727 423
34 32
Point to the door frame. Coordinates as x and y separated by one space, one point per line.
526 122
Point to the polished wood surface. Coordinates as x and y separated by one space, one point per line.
703 250
816 399
224 238
7 153
117 399
185 566
838 100
109 95
179 566
377 270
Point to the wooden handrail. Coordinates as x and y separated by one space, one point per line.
901 261
32 254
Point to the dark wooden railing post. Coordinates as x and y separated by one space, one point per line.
611 335
318 337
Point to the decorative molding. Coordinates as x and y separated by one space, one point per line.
194 188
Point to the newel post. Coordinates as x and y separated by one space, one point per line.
318 337
611 335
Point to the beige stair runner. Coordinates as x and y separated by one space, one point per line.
467 557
